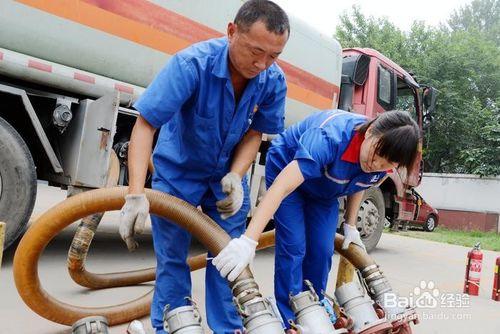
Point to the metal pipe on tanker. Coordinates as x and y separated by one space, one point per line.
17 65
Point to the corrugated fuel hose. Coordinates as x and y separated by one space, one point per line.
49 224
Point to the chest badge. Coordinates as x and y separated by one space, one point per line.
255 109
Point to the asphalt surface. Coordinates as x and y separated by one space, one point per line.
405 261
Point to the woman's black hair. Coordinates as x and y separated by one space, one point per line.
398 135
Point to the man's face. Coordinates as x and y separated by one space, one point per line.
253 51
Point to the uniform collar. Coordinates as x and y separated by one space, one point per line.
221 66
351 154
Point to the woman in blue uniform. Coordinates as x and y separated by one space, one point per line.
328 155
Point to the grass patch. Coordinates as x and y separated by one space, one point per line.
488 240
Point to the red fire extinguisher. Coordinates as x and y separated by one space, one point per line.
473 270
496 282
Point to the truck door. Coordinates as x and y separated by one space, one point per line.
407 99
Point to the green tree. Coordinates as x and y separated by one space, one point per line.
482 154
464 65
480 15
357 30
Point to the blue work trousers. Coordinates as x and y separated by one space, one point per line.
173 278
305 234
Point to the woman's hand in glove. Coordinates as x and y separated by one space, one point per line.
351 234
235 257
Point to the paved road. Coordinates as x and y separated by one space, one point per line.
405 261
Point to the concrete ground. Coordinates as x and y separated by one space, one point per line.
405 261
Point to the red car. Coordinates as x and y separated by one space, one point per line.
425 216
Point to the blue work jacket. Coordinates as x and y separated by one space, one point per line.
192 101
326 146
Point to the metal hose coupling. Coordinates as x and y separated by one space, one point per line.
311 317
380 290
90 325
258 314
360 308
183 319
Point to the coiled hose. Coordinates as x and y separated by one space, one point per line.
49 224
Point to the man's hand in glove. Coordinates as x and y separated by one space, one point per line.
231 186
351 234
235 257
133 218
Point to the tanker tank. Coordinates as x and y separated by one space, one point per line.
130 41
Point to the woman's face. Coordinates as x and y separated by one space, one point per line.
369 160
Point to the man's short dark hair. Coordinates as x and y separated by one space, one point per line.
268 12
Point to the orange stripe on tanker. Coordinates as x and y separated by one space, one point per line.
309 97
153 26
159 18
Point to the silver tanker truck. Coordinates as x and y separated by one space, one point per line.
71 70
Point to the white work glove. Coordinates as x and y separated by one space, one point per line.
231 186
351 234
133 217
235 257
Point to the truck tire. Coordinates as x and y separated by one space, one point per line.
17 182
371 216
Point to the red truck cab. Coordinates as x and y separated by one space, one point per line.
372 84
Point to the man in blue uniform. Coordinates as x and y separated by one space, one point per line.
211 102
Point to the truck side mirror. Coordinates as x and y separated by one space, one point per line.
429 99
429 95
354 72
356 68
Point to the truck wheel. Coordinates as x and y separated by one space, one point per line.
371 216
17 182
430 223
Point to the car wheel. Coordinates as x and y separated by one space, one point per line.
430 223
